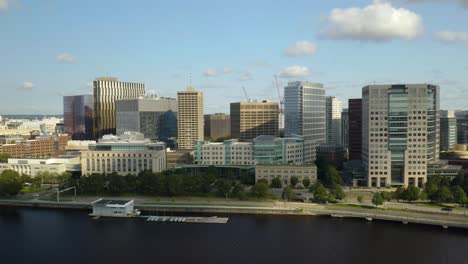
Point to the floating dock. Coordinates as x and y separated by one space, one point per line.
188 219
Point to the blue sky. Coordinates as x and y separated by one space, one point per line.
51 48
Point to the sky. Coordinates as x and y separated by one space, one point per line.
51 48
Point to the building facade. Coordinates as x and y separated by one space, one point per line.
154 117
229 152
39 147
333 123
400 133
305 111
217 126
286 172
106 91
189 118
252 119
355 129
129 153
78 116
33 167
462 127
345 128
448 130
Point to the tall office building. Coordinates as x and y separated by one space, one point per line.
355 129
217 126
154 117
448 130
252 119
189 118
106 91
462 127
305 111
78 116
400 133
345 128
333 125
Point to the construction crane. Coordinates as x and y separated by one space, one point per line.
245 93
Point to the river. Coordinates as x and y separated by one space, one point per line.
68 236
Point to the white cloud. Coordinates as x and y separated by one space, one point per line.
294 72
379 21
451 36
4 5
301 48
65 58
463 3
26 86
215 72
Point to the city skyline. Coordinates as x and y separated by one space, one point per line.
218 48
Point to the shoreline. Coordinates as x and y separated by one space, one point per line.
402 216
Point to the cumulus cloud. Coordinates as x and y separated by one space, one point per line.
451 36
301 48
379 21
215 72
463 3
65 58
26 86
294 72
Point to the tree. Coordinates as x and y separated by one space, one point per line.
223 187
387 196
338 192
260 189
398 194
320 193
115 184
294 181
276 183
4 157
306 182
377 199
444 195
459 195
359 198
412 193
288 193
10 183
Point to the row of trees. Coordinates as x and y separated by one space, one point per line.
293 181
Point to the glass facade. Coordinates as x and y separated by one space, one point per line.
78 116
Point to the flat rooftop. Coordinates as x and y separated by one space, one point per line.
111 202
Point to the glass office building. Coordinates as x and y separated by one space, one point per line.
78 116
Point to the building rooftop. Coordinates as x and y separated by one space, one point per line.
111 203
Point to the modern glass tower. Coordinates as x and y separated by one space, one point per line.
400 133
78 116
333 125
305 110
448 130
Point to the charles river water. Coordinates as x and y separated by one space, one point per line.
69 236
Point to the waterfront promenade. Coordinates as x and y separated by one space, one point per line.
411 215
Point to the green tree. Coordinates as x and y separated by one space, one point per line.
444 195
459 195
412 193
288 193
337 192
4 157
306 182
260 189
359 198
377 199
10 183
223 187
398 194
276 183
116 184
387 196
294 181
320 193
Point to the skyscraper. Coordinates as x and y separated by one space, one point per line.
217 125
355 128
78 116
154 117
400 133
333 125
345 128
106 91
448 130
252 119
305 110
189 117
462 127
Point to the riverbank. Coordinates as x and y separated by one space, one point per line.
405 216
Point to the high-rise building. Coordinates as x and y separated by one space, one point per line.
106 91
400 133
462 127
355 129
345 128
217 126
189 118
448 130
252 119
305 111
154 117
333 125
78 116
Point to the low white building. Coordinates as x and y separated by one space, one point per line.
113 208
286 172
33 167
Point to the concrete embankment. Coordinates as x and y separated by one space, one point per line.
405 217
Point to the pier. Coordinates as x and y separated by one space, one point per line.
188 219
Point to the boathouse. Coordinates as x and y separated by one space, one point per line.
113 208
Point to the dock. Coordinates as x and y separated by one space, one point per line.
188 219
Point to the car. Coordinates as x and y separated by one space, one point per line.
447 209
